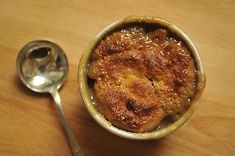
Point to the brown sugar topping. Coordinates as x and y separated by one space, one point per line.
141 77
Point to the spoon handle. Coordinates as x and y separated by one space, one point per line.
73 143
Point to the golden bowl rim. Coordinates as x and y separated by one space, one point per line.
85 93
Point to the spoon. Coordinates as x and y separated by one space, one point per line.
43 67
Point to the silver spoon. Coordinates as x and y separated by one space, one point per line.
43 67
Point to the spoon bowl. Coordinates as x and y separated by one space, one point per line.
43 67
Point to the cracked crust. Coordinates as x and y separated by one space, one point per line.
141 77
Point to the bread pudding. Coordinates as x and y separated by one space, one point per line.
141 76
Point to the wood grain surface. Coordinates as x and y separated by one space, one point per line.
29 124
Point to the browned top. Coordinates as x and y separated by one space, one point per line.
141 76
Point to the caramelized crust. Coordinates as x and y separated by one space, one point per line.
141 77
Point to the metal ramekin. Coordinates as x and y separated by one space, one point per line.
85 93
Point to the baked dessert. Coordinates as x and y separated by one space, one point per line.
140 76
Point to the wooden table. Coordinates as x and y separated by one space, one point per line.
29 124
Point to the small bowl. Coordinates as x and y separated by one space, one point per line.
85 92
